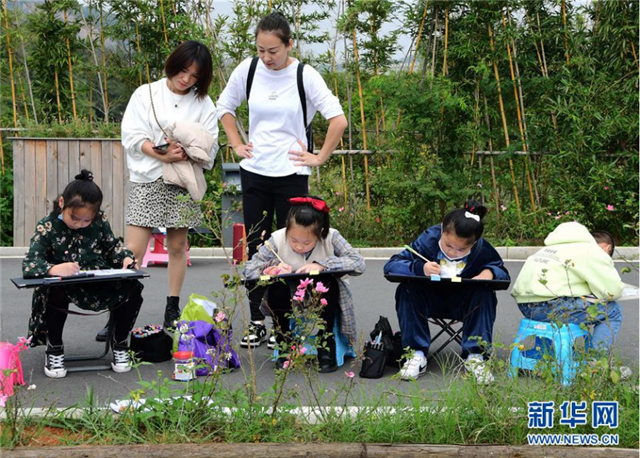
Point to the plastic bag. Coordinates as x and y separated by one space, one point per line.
211 346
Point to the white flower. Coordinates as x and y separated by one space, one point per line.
31 387
184 327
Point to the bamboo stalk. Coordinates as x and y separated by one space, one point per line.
10 55
58 96
504 124
564 23
434 46
22 96
29 86
362 117
95 62
415 53
2 151
73 94
164 24
494 186
520 124
633 51
334 44
105 90
446 41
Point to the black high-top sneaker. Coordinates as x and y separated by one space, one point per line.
171 312
121 360
54 366
327 356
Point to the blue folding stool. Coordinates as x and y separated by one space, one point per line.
343 347
559 342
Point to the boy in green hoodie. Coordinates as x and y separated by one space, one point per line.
555 281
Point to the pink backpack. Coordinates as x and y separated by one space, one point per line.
11 367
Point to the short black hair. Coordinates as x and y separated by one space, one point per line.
458 223
81 192
602 236
188 53
277 24
306 216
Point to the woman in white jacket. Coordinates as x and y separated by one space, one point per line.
277 159
181 96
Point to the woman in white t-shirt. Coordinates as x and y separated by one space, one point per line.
181 96
275 162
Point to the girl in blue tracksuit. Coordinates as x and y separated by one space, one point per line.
454 249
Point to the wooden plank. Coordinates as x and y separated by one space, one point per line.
29 188
96 161
119 192
107 177
74 159
41 179
85 154
52 174
317 450
63 164
19 238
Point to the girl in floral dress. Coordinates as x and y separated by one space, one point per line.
77 236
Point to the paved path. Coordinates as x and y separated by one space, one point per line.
373 297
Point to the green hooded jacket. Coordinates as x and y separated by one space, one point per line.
571 265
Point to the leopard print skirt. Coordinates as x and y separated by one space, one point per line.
157 204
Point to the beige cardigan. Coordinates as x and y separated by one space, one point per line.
201 150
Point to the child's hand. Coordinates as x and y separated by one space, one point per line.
309 267
284 268
66 269
432 268
486 274
271 270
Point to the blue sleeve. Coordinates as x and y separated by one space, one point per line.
493 262
407 263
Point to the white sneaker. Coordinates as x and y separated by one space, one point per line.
625 372
414 368
271 343
121 361
54 366
476 366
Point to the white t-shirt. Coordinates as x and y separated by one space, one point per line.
139 124
276 122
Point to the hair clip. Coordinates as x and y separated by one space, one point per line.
472 216
318 204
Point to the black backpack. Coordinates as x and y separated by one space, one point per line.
301 93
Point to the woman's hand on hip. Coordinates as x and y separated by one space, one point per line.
244 151
304 158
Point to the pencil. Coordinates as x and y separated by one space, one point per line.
416 253
268 245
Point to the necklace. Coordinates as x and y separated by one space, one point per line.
180 97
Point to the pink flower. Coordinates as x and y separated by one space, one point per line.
606 188
338 193
567 212
503 207
610 208
304 283
220 317
3 399
321 288
349 374
378 219
340 210
303 350
323 302
548 213
558 216
299 296
286 364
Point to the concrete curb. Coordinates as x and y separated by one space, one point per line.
508 253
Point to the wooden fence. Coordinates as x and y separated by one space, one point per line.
42 167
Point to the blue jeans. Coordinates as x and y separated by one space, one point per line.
574 310
476 308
